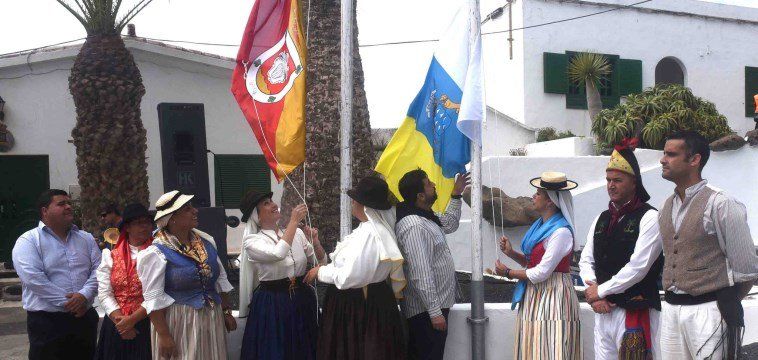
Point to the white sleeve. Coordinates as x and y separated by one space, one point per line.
104 287
262 249
647 249
222 283
559 244
310 252
151 269
354 267
587 260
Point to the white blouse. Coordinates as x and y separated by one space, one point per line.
559 244
355 261
274 259
104 288
151 269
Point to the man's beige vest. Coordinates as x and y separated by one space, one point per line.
694 262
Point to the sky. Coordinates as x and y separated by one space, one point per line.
26 24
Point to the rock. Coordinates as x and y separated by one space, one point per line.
516 211
729 142
752 137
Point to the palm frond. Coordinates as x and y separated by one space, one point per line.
588 67
101 17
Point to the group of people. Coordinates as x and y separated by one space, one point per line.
391 281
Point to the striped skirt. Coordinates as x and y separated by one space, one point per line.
547 325
198 334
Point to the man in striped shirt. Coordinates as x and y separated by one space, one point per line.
429 268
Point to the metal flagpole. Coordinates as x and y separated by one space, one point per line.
346 114
477 319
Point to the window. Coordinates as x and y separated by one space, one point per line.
625 78
751 89
236 174
669 71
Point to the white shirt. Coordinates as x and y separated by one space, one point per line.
104 288
646 250
559 244
355 261
151 269
274 259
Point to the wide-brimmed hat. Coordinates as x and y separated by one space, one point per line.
133 212
553 180
373 192
169 202
250 200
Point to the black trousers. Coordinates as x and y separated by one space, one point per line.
61 335
424 342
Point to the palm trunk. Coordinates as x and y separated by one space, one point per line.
109 137
594 104
322 155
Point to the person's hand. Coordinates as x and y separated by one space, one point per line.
311 275
500 268
230 322
602 306
505 246
461 182
439 323
166 346
116 316
125 324
298 214
312 234
75 303
590 293
129 335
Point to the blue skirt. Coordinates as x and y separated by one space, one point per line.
281 324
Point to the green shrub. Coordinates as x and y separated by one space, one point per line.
549 133
657 112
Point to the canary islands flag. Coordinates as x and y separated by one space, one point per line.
445 116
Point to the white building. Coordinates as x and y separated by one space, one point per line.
39 111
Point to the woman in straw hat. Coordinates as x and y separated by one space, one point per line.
184 285
361 320
282 309
548 319
125 333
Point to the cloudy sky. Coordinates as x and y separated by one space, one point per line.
26 24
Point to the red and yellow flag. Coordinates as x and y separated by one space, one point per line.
269 82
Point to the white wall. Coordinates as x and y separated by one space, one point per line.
501 133
714 52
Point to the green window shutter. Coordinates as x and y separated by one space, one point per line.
751 89
630 76
236 174
554 72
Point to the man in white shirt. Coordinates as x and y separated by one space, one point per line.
621 263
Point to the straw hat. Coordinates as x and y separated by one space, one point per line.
553 180
169 202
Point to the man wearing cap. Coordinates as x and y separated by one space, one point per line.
710 258
621 263
56 263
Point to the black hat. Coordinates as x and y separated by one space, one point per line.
133 212
250 200
372 192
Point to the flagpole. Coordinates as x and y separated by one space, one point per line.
346 115
477 319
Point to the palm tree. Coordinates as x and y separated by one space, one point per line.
322 125
107 88
589 68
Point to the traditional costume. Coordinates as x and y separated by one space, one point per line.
281 309
547 324
119 288
623 256
361 320
186 281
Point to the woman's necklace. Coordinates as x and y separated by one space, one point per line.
293 279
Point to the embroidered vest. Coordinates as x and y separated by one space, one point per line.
126 289
539 251
613 251
183 281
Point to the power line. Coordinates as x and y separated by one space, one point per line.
39 48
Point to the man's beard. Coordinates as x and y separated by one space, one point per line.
433 199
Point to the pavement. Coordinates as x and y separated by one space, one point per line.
14 344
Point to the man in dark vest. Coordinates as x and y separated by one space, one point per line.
621 263
710 258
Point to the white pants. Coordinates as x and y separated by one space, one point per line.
609 331
690 331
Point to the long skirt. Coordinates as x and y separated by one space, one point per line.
361 324
282 323
198 334
547 326
110 345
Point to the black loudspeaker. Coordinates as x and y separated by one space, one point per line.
212 220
